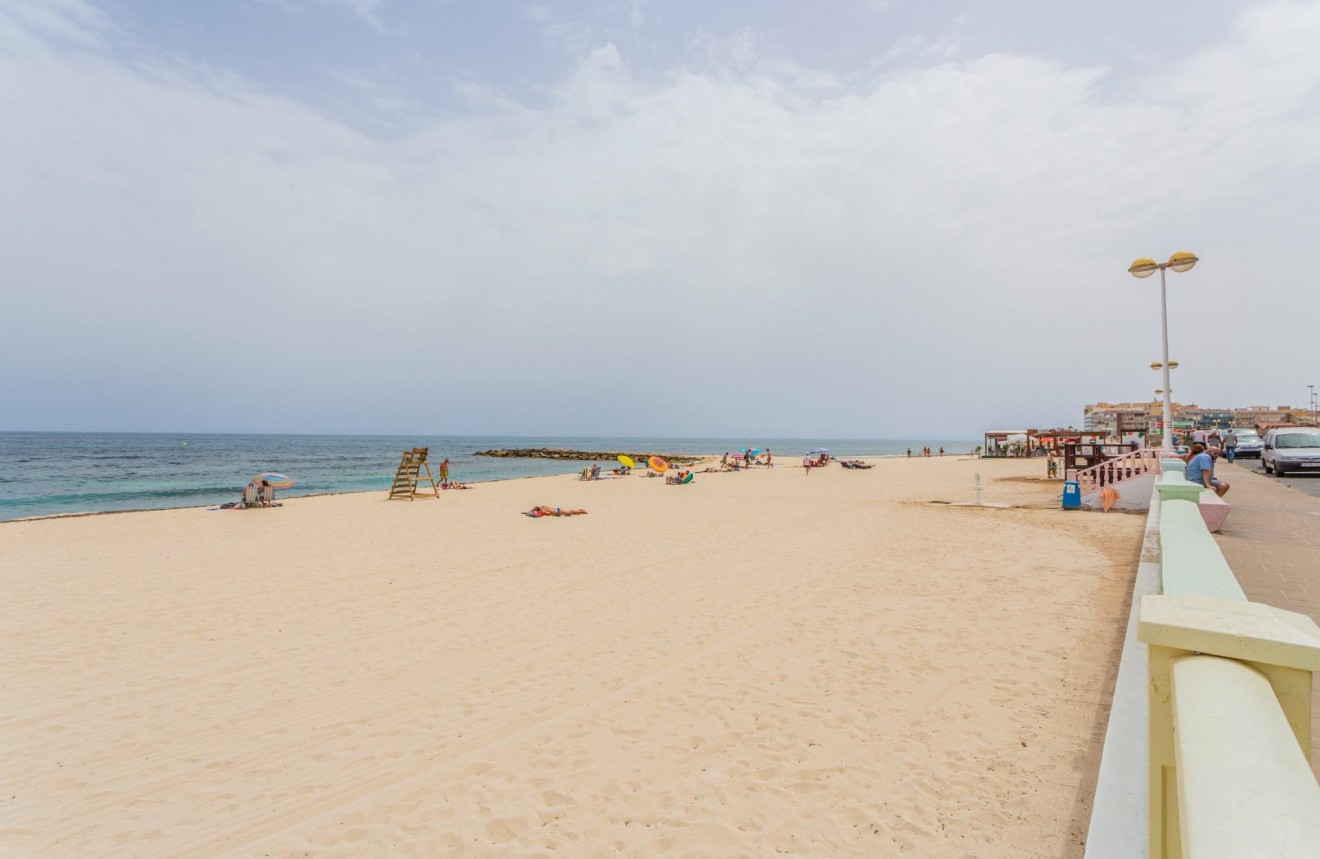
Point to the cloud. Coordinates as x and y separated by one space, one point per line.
743 244
366 10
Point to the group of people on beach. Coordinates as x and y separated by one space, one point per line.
925 451
743 461
258 493
809 462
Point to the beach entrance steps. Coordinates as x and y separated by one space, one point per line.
409 475
1131 476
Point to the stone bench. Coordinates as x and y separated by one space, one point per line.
1214 510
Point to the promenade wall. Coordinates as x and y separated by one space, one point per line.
1207 748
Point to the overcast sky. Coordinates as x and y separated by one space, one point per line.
854 219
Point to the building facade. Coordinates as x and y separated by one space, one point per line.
1120 419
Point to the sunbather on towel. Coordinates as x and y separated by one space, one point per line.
542 510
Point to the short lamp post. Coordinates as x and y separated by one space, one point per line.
1145 267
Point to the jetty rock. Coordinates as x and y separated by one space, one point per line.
557 453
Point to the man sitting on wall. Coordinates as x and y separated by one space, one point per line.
1201 469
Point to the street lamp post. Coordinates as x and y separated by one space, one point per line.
1145 267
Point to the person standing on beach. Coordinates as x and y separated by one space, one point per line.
444 471
768 459
909 453
941 450
806 464
724 463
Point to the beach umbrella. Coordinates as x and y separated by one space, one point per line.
819 450
277 481
626 460
754 451
658 464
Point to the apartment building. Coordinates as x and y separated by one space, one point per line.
1147 417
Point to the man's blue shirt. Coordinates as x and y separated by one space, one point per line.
1198 464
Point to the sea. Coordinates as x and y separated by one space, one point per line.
62 473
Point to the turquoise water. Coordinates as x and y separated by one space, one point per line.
43 474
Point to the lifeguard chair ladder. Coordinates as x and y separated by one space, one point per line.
410 474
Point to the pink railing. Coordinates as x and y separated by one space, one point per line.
1120 468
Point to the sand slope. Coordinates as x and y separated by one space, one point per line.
757 664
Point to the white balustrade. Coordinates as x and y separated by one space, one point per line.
1129 465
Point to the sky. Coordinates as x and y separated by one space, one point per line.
871 219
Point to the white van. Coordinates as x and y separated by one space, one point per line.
1295 449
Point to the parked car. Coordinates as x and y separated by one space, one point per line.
1249 442
1291 449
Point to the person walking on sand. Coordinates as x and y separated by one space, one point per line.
941 450
444 471
909 453
806 464
769 462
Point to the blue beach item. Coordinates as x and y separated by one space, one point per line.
1072 495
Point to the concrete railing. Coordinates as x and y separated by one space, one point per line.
1190 560
1230 703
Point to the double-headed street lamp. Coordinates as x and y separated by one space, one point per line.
1145 267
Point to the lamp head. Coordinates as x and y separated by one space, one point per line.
1143 267
1182 261
1173 365
1155 365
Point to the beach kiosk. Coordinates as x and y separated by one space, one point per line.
1006 443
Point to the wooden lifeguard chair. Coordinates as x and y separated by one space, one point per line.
410 474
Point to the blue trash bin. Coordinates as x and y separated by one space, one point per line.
1072 495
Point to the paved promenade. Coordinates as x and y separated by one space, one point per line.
1308 483
1272 542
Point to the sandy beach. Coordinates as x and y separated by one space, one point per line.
764 663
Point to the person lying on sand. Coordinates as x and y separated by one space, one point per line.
454 484
542 510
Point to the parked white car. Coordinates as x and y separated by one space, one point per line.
1291 449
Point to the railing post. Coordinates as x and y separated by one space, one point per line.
1284 646
1175 465
1178 490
